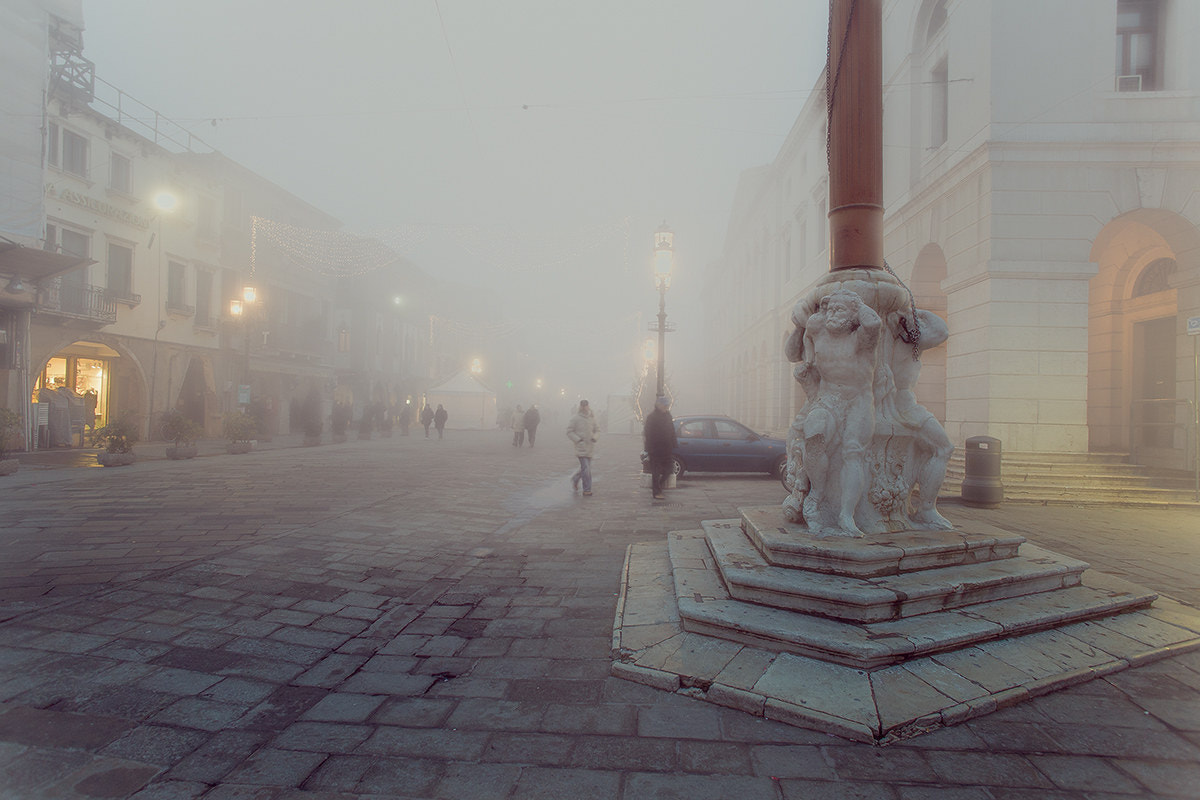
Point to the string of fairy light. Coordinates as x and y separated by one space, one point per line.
342 254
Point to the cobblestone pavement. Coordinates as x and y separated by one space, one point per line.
412 618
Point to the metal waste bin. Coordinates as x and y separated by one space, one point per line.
981 484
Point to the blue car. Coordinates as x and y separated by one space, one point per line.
713 443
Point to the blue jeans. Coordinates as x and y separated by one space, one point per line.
585 472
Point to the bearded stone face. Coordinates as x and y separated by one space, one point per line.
840 316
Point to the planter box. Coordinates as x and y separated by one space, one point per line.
182 451
238 448
115 459
8 466
312 441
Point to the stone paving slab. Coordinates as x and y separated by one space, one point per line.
881 705
386 543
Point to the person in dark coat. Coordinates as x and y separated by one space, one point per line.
658 437
427 418
439 419
405 419
533 418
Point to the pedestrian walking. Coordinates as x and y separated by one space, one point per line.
439 419
658 438
582 430
517 423
405 418
427 418
533 418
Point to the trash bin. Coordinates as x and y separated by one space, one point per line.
981 486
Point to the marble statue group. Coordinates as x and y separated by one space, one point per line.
863 455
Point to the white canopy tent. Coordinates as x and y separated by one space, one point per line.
470 404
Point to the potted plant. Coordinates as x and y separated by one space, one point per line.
10 439
239 429
182 431
117 439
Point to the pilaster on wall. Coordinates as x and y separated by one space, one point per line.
1018 358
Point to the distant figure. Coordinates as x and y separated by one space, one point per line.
517 423
582 430
533 418
658 437
405 419
427 418
90 399
439 420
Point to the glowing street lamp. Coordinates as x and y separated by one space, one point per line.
476 366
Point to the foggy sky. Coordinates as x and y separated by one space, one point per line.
514 123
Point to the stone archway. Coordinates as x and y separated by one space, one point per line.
100 363
1147 280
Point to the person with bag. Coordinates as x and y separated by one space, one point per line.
582 431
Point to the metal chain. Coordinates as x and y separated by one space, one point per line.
908 335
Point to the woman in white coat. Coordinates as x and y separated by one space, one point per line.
582 430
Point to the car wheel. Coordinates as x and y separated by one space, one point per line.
676 467
780 471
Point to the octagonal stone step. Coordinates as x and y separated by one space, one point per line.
748 576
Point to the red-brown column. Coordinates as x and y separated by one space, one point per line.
856 136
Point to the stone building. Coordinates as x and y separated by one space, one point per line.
1041 174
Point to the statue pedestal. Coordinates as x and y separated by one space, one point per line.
876 638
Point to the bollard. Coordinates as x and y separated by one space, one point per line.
981 486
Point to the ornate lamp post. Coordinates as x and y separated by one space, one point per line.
664 262
239 309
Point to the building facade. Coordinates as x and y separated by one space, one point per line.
1041 194
133 280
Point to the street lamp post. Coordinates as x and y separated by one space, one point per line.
239 309
664 261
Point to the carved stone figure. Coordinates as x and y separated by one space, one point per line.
932 447
839 342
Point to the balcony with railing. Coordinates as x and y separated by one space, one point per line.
77 302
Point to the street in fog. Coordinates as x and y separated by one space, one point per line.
424 618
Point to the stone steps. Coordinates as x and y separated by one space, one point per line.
1060 478
706 606
749 577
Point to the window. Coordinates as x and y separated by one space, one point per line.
73 243
120 271
52 145
1156 277
1137 46
695 429
204 291
74 153
176 274
120 173
233 209
939 104
731 430
206 217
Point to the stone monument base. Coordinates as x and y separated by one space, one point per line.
876 639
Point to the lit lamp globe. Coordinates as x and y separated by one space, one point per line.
664 256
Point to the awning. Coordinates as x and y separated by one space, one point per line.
33 264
